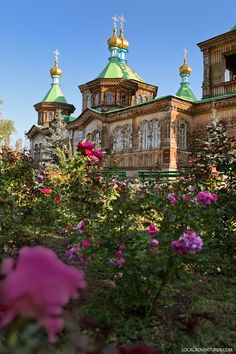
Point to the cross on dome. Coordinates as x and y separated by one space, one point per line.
56 56
185 55
115 20
122 21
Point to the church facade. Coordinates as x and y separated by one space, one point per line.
125 117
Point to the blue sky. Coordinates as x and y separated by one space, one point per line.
30 30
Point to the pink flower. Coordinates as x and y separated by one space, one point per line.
187 198
81 226
191 188
188 242
206 198
45 191
173 199
57 200
85 243
153 244
98 154
119 254
120 262
121 246
37 287
86 145
152 230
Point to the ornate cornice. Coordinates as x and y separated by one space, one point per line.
218 40
36 130
202 107
54 105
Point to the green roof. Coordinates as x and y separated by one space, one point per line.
233 28
216 98
117 70
185 92
54 95
69 119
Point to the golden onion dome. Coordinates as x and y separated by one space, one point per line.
114 41
185 68
56 71
124 41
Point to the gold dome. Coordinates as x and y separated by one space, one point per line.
56 71
185 69
124 42
114 41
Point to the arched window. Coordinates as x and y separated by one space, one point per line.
127 138
97 99
145 98
183 136
118 140
110 98
138 99
123 100
40 152
36 152
155 135
88 101
97 139
144 136
50 115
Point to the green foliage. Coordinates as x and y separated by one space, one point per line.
7 127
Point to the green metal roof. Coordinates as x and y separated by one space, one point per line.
117 70
216 98
68 119
54 95
233 28
185 92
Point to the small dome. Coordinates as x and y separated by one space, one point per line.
56 71
185 69
124 41
114 41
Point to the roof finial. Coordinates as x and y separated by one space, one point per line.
185 56
56 56
115 20
122 21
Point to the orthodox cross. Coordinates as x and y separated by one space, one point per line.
185 55
115 20
56 56
122 21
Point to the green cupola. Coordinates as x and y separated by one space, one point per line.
185 91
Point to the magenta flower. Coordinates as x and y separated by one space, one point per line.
188 242
45 191
98 154
85 243
120 262
152 230
81 226
121 246
153 244
57 200
187 198
119 254
173 199
37 287
86 145
206 198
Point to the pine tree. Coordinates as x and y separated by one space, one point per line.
218 151
56 146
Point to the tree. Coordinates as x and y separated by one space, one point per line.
56 145
7 127
218 151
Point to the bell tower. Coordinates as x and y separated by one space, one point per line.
219 61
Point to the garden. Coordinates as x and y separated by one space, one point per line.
91 263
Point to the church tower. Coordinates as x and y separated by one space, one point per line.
54 99
117 86
219 60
